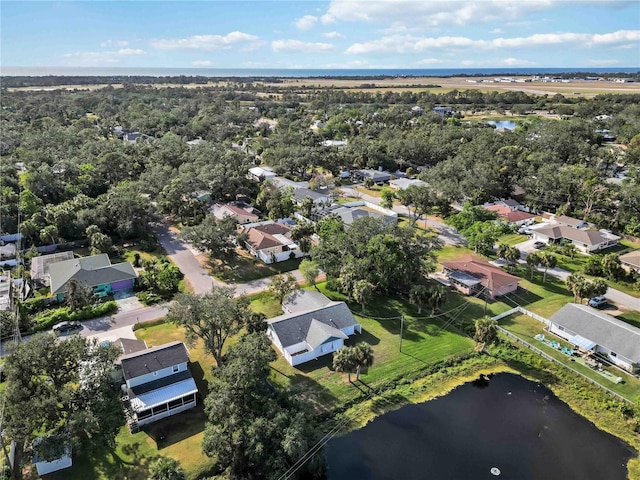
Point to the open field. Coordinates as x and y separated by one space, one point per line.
400 84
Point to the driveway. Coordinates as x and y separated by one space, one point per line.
182 255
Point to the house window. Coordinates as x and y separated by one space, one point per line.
613 354
561 328
155 374
176 368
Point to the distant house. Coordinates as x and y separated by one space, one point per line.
375 175
351 212
6 305
590 329
10 238
631 261
586 240
96 272
472 275
313 326
509 214
404 183
197 141
158 383
40 266
132 137
261 173
417 110
282 182
299 194
241 215
443 111
334 143
45 467
271 241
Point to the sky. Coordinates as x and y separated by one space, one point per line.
313 34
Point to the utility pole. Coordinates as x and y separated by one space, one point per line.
401 328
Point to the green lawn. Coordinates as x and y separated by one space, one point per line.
527 328
631 317
264 302
452 252
512 239
244 268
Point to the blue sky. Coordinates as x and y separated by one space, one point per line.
330 34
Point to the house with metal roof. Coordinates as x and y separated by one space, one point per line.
593 330
312 327
471 275
95 272
158 383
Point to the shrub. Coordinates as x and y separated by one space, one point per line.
49 318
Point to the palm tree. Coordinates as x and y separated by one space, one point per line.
533 260
486 331
575 284
436 296
547 260
418 295
363 357
511 255
344 361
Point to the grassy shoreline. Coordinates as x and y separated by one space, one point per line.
582 397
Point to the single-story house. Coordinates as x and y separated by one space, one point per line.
95 271
282 182
631 261
132 137
299 194
45 467
334 143
376 175
513 204
271 241
261 173
591 329
158 383
40 265
510 215
586 240
404 183
349 213
443 111
312 327
471 275
241 215
570 221
197 141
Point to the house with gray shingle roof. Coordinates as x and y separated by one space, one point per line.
631 261
304 334
95 272
594 330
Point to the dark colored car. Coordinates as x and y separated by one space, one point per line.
539 245
66 327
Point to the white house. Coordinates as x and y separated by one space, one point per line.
313 326
631 261
261 173
45 467
590 329
270 241
586 240
404 183
158 383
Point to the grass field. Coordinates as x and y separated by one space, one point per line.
245 268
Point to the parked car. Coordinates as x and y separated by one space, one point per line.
539 245
597 302
67 326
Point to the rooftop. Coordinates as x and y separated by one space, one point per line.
490 276
153 359
90 271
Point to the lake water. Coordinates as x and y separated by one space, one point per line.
503 124
507 422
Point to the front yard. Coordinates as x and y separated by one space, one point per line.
244 268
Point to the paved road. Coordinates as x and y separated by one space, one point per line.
615 296
183 257
447 234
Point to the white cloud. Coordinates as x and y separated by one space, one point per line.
327 19
333 35
201 63
97 58
114 43
208 42
429 61
603 63
306 23
300 46
434 13
496 31
403 44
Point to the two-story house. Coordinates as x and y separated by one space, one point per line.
158 383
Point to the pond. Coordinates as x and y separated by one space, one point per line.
503 124
506 423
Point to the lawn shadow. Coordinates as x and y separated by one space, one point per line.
366 337
177 428
198 375
316 397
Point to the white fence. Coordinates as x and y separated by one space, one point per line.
523 311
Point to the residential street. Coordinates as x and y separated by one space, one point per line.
615 296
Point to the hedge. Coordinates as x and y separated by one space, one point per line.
49 318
